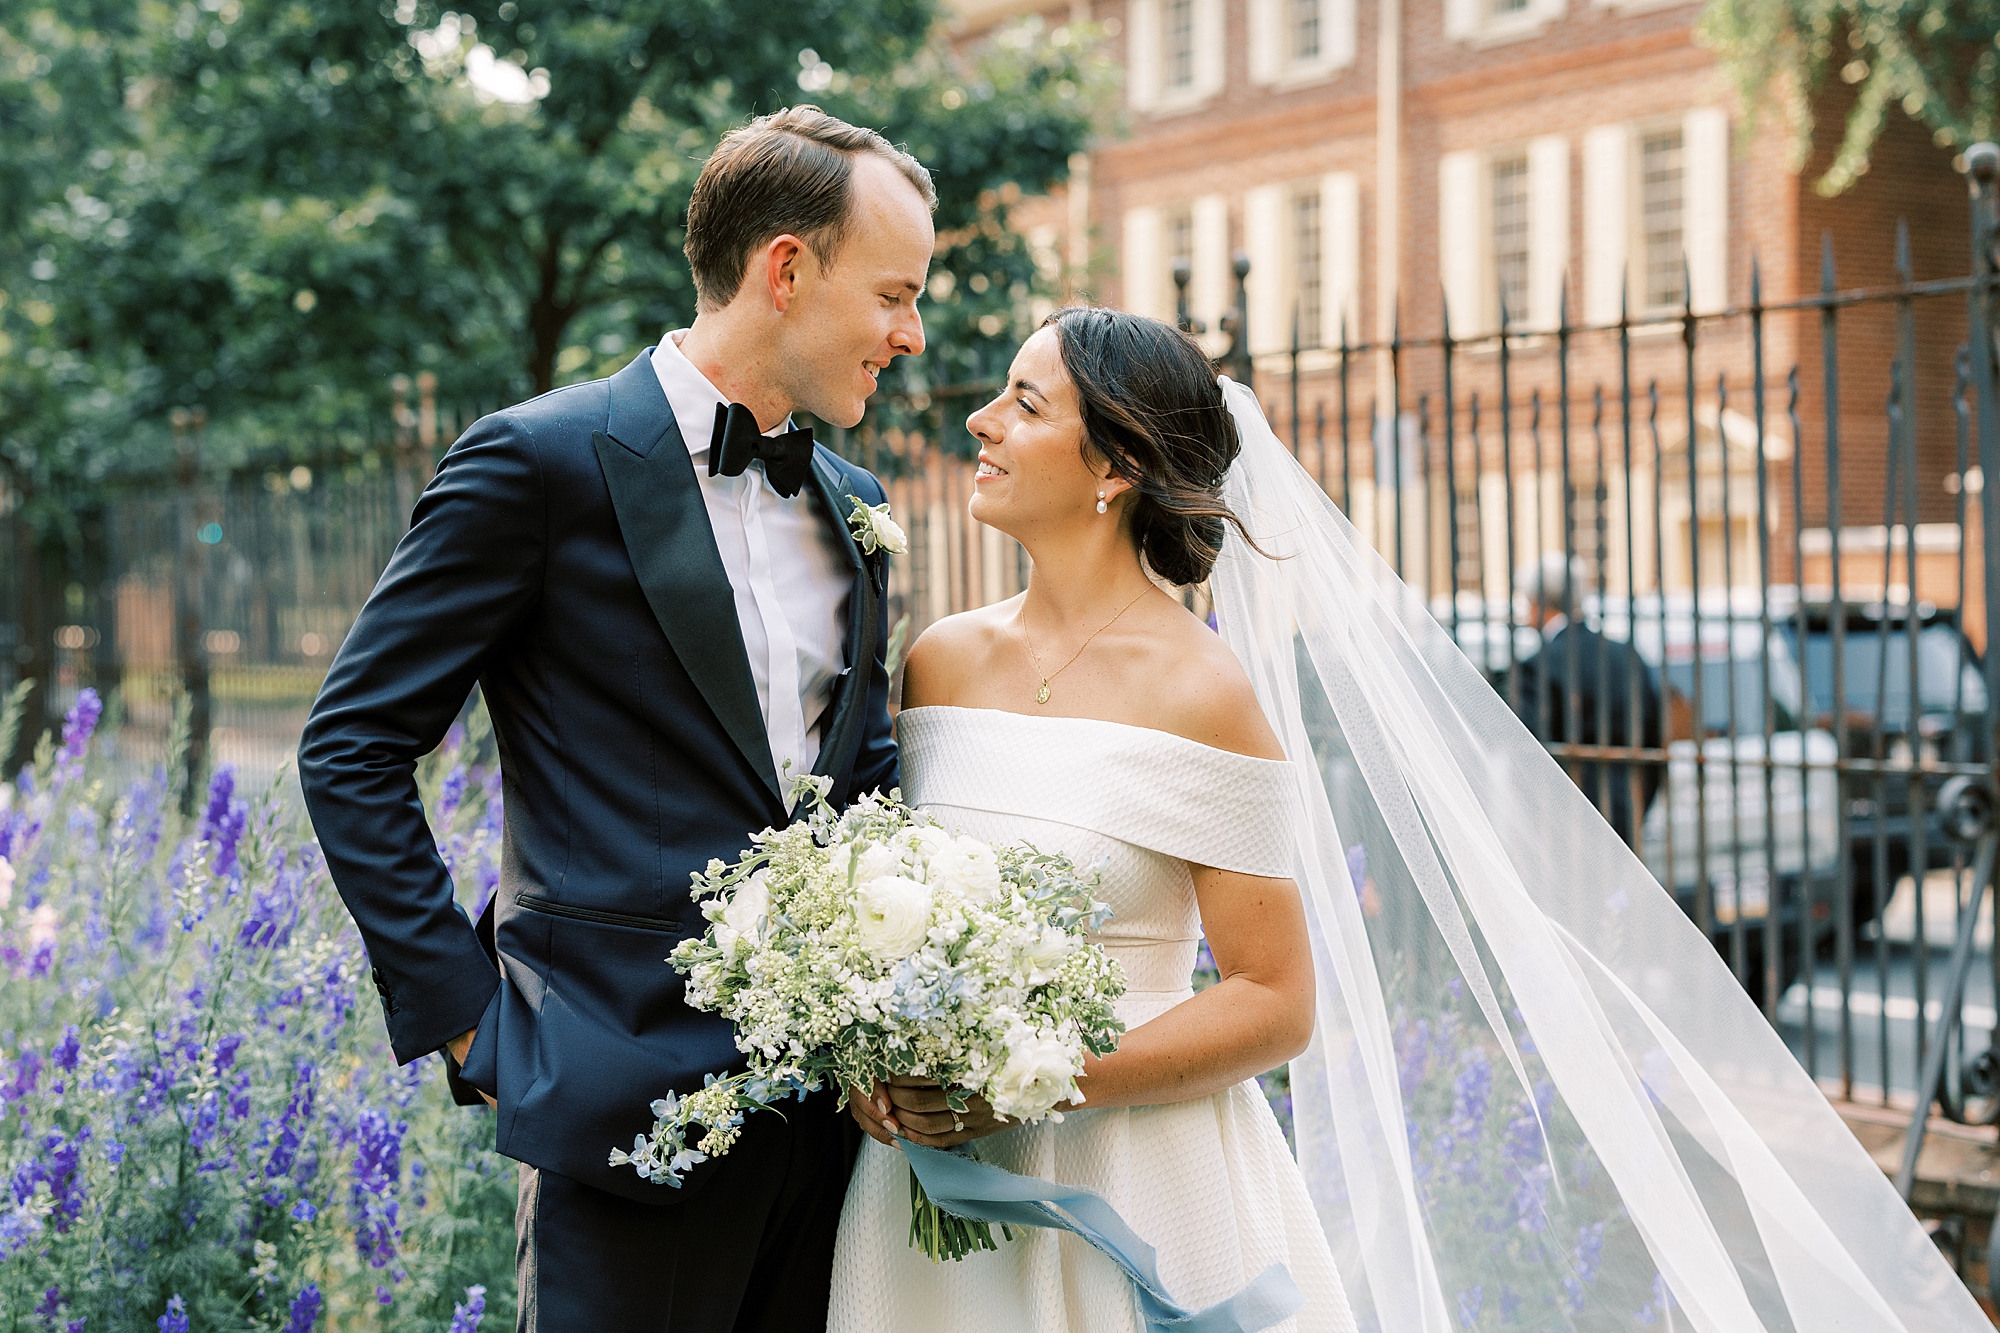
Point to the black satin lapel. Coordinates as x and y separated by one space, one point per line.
667 535
850 701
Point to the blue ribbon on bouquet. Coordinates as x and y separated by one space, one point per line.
988 1193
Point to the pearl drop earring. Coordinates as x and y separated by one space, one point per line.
1100 502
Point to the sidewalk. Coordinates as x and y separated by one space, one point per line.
1958 1177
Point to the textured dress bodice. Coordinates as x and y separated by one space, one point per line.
1208 1182
1137 804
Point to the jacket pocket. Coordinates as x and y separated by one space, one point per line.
534 902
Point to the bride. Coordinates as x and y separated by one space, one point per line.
1526 1092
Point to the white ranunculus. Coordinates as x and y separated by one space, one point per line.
892 914
750 903
1046 954
927 840
6 882
878 859
969 866
1037 1074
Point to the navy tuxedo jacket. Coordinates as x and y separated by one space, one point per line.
563 559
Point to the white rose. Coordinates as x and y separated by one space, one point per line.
892 914
969 866
1037 1073
888 533
6 882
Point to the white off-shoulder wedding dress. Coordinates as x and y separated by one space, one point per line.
1209 1183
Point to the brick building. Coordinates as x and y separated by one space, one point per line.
1376 159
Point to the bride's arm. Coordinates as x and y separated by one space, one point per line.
1259 1015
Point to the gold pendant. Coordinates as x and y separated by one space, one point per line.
1042 695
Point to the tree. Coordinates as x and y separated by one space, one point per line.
268 209
1939 60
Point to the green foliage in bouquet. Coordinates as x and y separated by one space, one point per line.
853 947
201 1125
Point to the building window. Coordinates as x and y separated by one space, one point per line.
1502 8
1179 44
1303 29
1307 248
1662 218
1510 233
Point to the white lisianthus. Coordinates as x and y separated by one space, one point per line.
970 867
1039 1072
875 530
891 916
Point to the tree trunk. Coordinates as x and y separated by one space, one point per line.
34 655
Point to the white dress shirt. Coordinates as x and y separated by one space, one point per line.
786 566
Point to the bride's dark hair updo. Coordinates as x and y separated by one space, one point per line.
1153 411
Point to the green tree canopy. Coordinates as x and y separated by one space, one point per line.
1938 60
269 208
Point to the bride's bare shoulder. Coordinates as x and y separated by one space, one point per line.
1202 693
954 650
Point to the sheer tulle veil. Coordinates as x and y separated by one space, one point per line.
1535 1099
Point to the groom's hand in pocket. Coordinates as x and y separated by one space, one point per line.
918 1108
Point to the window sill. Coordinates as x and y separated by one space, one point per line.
1508 28
1305 76
1178 104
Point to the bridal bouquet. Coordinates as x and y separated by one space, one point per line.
857 945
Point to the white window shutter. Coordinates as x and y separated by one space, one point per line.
1142 54
1340 258
1272 290
1548 228
1267 54
1211 285
1462 243
1705 164
1461 18
1607 221
1211 47
1142 268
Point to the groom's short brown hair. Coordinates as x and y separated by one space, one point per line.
783 173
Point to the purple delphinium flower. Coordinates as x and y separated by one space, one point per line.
450 796
1663 1300
1589 1253
175 1320
1357 865
223 822
305 1309
78 725
52 1305
378 1158
1469 1301
465 1318
67 1050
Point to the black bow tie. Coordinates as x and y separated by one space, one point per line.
737 440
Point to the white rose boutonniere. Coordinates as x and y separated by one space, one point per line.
875 530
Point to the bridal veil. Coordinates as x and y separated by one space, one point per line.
1536 1098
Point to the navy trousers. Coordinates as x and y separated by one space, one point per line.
750 1252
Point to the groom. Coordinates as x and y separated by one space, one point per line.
653 582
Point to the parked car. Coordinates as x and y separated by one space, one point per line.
1709 818
1951 726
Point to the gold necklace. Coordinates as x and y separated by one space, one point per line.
1042 694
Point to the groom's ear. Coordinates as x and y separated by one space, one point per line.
786 259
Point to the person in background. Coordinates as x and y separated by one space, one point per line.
1581 688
